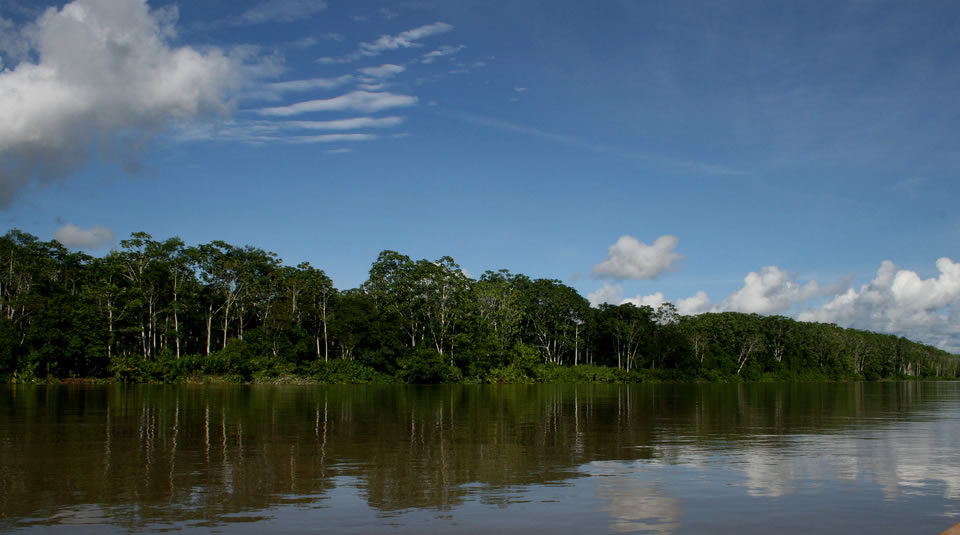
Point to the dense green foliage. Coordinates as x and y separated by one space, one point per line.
160 311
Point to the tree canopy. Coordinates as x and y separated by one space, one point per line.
159 310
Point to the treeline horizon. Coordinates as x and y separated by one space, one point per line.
162 311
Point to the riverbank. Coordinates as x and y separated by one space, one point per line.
196 370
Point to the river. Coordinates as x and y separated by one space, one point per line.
667 459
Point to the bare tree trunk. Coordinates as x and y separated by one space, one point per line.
176 326
109 329
226 318
209 325
143 339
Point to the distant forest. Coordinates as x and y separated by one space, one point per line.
162 311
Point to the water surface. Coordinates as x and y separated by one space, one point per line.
797 458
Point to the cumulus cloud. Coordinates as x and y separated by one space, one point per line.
696 304
899 301
12 45
613 294
896 301
361 101
104 75
652 301
610 294
281 11
629 258
407 39
771 291
74 237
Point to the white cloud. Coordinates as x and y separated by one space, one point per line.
407 39
281 11
520 89
610 294
311 83
306 42
386 70
445 50
12 43
330 138
898 301
696 304
653 301
348 124
339 151
103 68
628 258
361 101
267 131
613 294
74 237
770 292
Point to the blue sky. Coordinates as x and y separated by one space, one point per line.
796 158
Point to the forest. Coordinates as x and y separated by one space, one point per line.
163 311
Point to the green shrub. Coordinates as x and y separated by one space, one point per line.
426 366
344 372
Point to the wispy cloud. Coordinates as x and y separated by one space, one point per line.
281 11
386 70
348 124
306 42
342 150
267 131
407 39
445 50
311 83
361 101
331 138
530 131
466 68
704 169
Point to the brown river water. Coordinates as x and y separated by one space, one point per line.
666 459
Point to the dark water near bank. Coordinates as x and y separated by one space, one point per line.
824 458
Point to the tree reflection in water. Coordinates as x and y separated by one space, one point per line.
190 456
